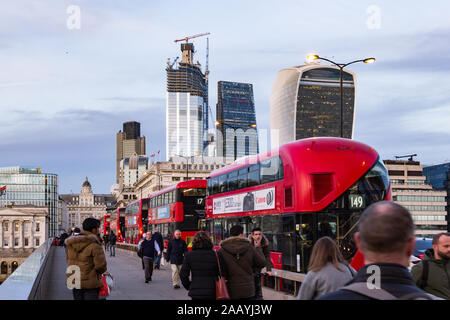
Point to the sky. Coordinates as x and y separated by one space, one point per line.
71 72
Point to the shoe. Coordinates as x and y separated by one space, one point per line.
176 287
146 281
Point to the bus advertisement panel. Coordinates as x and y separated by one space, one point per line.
247 201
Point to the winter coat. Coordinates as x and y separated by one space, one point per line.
112 239
241 259
204 270
264 250
326 280
394 278
86 252
438 281
176 250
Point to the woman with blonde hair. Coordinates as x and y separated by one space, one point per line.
327 270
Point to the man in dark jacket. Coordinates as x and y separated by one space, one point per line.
159 239
112 244
241 259
86 262
386 239
261 244
432 274
149 249
176 251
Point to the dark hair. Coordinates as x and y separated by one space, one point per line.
236 230
202 241
436 237
325 250
77 230
256 229
90 223
385 227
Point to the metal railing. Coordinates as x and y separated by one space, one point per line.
25 282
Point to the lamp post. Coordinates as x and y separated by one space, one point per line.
341 66
218 123
187 165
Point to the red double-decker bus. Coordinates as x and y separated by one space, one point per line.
106 224
181 206
120 224
136 220
305 190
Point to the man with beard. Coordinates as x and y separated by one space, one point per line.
432 274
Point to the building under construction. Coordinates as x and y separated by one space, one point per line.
186 105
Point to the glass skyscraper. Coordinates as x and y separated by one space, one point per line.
31 187
186 107
236 135
305 103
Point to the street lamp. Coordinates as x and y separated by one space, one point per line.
341 66
218 123
187 165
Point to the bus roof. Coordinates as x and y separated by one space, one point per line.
198 183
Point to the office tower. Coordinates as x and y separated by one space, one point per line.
409 188
131 169
31 187
186 106
128 143
305 102
439 177
236 120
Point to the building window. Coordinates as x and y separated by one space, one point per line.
26 242
5 226
38 227
14 266
16 242
4 267
37 242
16 226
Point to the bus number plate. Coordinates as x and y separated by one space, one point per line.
356 201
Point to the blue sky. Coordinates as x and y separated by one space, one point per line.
64 93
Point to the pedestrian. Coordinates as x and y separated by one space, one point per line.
261 243
105 241
112 244
159 239
176 251
432 274
86 253
386 239
241 259
327 271
202 264
149 248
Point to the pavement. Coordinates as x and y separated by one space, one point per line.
129 280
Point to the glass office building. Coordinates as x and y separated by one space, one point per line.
31 187
237 135
305 102
437 175
186 107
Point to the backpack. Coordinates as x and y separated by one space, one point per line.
381 294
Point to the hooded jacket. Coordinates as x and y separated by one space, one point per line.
263 249
86 252
241 259
438 281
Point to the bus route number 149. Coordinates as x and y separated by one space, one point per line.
356 201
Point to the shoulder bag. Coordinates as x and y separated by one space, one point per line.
221 286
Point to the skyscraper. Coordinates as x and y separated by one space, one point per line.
186 106
236 119
128 143
305 102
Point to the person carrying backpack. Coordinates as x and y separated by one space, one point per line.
386 239
432 274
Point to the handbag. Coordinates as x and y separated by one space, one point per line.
104 291
221 286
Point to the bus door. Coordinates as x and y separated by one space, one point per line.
305 236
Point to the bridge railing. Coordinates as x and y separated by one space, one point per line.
28 280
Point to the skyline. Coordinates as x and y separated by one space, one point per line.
65 93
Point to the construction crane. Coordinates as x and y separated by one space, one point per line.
192 37
408 155
170 65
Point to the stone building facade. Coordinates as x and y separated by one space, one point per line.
22 229
86 204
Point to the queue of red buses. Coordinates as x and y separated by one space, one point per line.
305 190
180 206
120 224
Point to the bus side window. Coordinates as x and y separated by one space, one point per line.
242 178
253 175
232 180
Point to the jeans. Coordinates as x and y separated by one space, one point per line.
158 260
112 250
148 263
86 294
258 286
